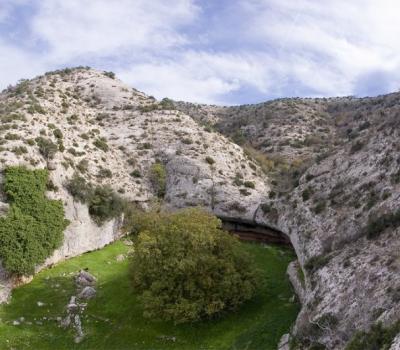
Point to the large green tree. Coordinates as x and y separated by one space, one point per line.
186 268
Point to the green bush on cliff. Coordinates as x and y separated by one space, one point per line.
103 203
185 268
158 179
34 225
378 337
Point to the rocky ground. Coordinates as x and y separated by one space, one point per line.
324 171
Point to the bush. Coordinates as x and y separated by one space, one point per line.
316 262
167 103
210 160
79 188
306 194
34 225
101 143
136 173
104 204
47 148
249 184
104 173
58 133
376 226
110 74
186 268
377 338
158 179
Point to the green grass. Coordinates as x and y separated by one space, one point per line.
113 320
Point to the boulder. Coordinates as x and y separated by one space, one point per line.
87 293
84 279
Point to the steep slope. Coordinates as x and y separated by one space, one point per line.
340 208
86 122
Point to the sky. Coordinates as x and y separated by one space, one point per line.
210 51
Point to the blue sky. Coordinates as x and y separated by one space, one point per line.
211 51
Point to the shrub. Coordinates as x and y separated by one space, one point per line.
20 150
239 138
110 74
104 173
158 179
249 184
136 173
47 148
306 194
12 137
187 141
319 207
34 225
210 160
186 268
79 188
101 143
317 262
377 225
83 166
105 204
167 103
377 338
58 133
356 147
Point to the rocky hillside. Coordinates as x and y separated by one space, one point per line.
340 205
326 172
87 124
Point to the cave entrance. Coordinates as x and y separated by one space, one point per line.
248 230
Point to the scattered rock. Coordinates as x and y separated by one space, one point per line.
87 293
120 257
72 305
84 279
51 165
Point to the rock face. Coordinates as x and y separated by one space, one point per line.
326 172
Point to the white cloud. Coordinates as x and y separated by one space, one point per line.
272 47
339 41
77 28
199 76
16 64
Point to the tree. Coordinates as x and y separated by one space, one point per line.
185 267
34 225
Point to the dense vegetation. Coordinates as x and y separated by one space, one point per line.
114 319
103 203
186 268
34 225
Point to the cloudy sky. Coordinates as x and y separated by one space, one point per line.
212 51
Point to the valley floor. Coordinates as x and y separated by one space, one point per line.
113 319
